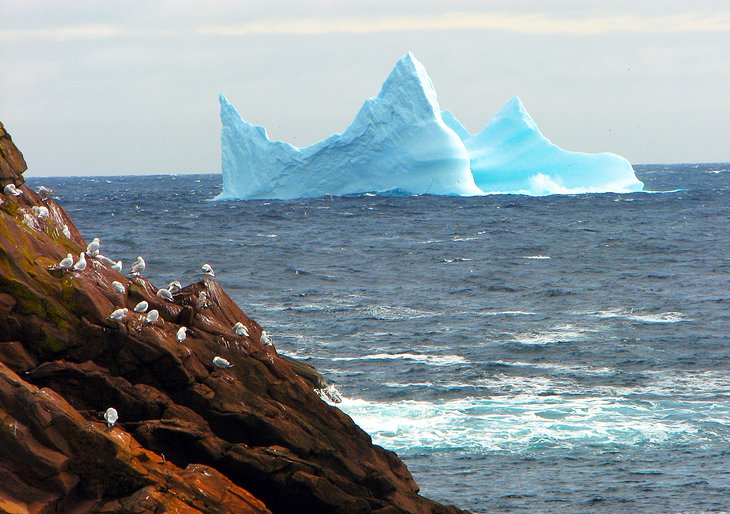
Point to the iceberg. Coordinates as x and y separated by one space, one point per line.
510 155
401 142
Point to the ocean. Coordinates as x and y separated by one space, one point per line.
564 353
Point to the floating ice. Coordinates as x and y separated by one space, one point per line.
401 142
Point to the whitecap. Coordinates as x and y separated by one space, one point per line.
631 315
537 257
432 360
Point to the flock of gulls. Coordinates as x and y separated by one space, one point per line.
148 317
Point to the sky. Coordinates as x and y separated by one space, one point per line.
116 88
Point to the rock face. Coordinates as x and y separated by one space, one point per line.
191 437
12 164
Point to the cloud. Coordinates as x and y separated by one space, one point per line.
507 22
537 24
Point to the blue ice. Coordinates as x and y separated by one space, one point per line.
401 141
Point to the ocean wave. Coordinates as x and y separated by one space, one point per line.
529 422
631 315
395 313
432 360
553 335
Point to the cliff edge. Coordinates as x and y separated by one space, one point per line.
191 436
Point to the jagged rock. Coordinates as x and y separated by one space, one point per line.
190 436
12 163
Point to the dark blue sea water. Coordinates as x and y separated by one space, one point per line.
562 353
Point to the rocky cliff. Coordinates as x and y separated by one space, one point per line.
191 436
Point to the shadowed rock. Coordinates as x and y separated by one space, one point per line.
190 436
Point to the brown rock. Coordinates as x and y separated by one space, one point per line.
190 436
12 163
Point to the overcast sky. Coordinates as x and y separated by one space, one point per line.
92 87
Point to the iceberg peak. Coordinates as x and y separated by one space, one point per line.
400 141
409 82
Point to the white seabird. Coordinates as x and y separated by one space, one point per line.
66 231
221 362
45 192
240 329
10 189
111 416
117 266
66 263
40 212
103 258
152 316
118 315
265 339
93 248
81 263
208 270
181 334
141 307
118 287
174 286
165 294
138 266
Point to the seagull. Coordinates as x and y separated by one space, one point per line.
40 212
103 258
118 315
221 362
265 339
117 266
141 307
10 189
118 287
81 263
111 416
165 294
202 302
93 248
208 270
66 231
174 286
66 263
240 329
137 266
152 316
182 334
44 192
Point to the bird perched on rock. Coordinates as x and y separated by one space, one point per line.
117 266
40 212
111 416
81 263
181 334
165 294
67 262
103 258
174 286
138 267
240 329
202 302
265 339
220 362
118 315
208 270
45 192
66 231
152 317
141 307
118 287
10 189
93 248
